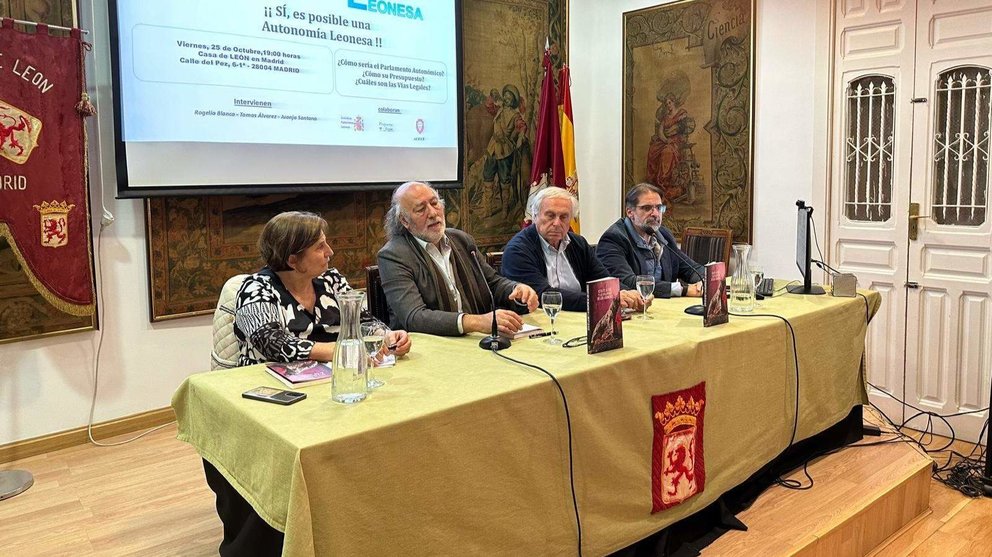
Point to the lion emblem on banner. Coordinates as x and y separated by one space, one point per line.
54 223
677 463
18 133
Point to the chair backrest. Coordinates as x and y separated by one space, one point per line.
374 295
495 260
226 349
706 245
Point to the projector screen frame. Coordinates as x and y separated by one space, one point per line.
126 191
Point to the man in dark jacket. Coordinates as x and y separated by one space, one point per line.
640 245
546 255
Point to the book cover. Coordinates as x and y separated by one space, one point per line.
604 317
715 295
300 374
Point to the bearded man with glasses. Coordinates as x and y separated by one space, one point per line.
639 245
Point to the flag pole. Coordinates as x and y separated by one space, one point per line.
56 27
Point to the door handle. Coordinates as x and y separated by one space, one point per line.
912 284
914 220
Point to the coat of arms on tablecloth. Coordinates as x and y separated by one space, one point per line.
677 470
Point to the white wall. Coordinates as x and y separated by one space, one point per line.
785 59
46 385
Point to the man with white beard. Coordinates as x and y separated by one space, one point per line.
433 276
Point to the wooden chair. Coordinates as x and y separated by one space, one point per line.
706 245
375 296
495 260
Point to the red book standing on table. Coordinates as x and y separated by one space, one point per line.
604 316
715 295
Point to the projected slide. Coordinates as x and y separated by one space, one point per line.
340 73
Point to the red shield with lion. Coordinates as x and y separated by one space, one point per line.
677 471
54 223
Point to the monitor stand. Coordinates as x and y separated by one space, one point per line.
813 290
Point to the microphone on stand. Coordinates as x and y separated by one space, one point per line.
697 309
492 342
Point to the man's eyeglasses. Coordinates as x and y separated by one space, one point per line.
647 208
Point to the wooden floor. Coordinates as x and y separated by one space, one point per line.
149 498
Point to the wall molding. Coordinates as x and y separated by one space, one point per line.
75 437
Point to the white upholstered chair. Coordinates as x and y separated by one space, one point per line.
225 353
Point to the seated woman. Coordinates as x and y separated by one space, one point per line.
285 312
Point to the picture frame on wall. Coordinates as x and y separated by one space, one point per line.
688 98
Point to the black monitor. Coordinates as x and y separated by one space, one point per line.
804 215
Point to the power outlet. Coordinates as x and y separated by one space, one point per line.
107 219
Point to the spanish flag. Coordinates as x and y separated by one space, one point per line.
568 136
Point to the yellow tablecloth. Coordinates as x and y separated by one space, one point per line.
464 453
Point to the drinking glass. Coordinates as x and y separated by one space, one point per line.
373 335
759 275
645 287
551 302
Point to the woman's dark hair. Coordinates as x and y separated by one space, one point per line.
288 234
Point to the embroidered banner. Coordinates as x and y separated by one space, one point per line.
677 470
44 205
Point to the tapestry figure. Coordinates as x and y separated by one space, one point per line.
501 170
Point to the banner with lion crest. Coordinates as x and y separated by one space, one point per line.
44 206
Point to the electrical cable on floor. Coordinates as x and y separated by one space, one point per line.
964 473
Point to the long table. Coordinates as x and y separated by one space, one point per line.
462 452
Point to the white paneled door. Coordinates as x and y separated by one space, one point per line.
912 101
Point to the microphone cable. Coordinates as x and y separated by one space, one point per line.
493 340
568 424
785 482
686 259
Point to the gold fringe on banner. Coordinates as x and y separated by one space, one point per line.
79 310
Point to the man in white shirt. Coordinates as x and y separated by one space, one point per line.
548 256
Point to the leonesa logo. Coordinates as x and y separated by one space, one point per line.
387 8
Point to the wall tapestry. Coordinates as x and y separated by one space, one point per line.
687 110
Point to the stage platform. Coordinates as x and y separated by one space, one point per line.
862 498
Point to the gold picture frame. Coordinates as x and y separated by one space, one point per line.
688 98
